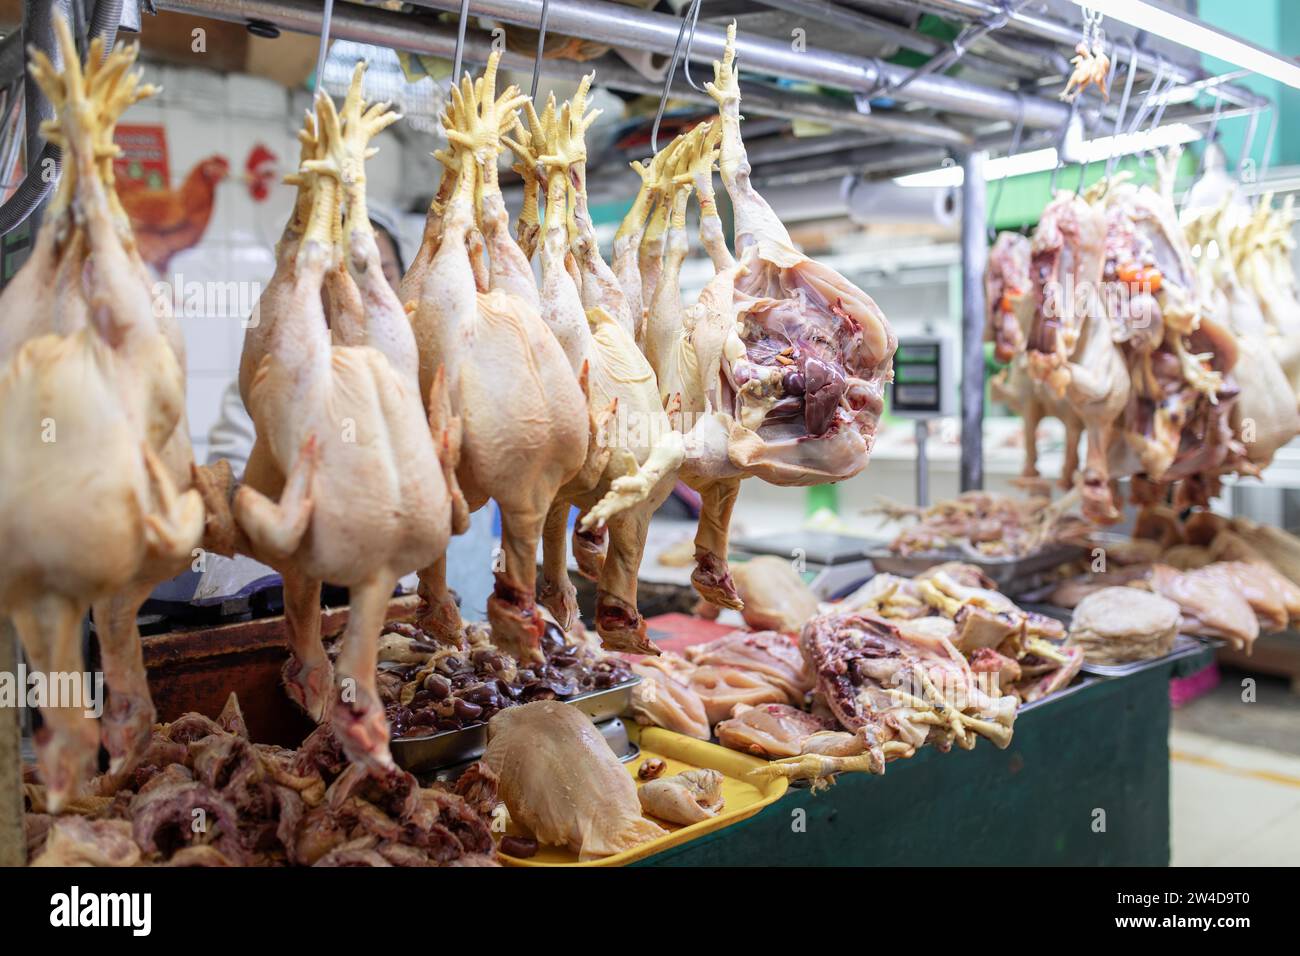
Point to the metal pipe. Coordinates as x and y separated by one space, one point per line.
788 148
1058 31
974 256
43 162
624 26
833 15
402 32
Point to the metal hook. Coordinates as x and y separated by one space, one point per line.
1012 151
1148 98
1060 144
690 39
1250 139
458 59
1209 135
1268 140
541 42
672 71
1123 104
323 53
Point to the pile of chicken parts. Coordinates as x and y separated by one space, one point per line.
1231 578
379 419
204 795
1170 345
940 658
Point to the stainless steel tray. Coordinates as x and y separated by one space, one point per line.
614 731
1013 576
1185 645
452 747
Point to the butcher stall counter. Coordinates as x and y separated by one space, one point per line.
1085 782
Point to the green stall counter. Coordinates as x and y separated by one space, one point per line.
1085 782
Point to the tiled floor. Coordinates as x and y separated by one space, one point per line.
1235 802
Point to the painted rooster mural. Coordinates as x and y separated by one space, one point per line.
168 221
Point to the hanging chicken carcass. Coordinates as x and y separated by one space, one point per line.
1010 310
1180 401
1070 348
778 370
633 458
344 483
91 397
484 328
1265 415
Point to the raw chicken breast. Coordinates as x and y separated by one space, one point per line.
766 655
560 780
722 688
665 697
776 597
770 730
1210 603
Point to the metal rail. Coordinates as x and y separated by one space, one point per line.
855 21
657 33
402 32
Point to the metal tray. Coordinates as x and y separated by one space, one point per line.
451 747
1185 645
615 732
1013 576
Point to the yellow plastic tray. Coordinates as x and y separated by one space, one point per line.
741 797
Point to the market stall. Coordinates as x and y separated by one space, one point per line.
411 608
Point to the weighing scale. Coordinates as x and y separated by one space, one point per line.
923 389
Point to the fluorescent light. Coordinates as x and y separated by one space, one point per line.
1040 160
1034 161
1197 36
1175 134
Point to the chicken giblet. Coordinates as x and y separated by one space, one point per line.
344 483
90 402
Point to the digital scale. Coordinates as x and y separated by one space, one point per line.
924 388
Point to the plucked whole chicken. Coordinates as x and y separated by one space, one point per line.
92 393
633 459
482 330
344 483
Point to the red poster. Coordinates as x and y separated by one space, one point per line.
144 157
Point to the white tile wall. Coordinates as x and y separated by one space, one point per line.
207 113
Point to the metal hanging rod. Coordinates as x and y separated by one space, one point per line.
637 29
844 18
401 32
